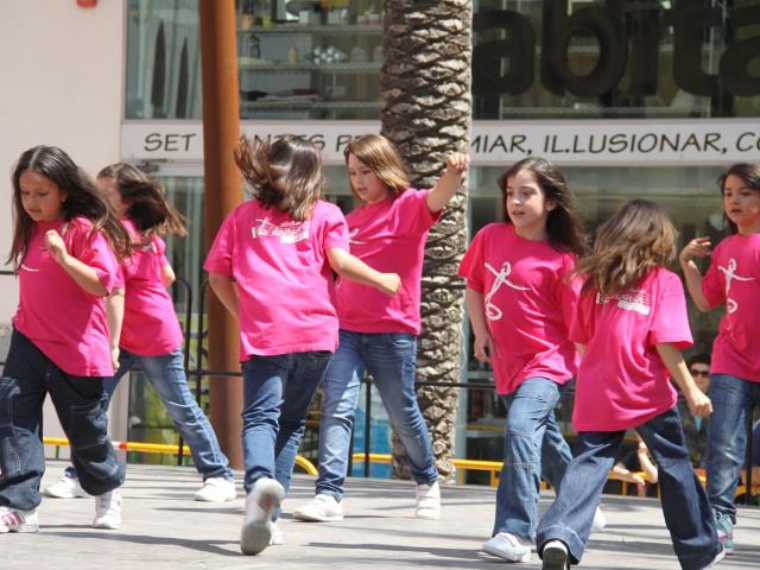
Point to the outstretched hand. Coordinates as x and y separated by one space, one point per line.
698 247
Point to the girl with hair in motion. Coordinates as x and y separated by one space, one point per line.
64 240
271 265
733 280
632 323
520 302
151 337
378 333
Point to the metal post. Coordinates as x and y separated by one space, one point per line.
223 191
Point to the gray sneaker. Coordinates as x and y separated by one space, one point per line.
509 547
555 556
263 500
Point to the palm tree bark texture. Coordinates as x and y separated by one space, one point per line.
425 87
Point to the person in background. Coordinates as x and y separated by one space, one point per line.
696 429
151 337
377 333
64 239
637 467
732 280
631 324
271 265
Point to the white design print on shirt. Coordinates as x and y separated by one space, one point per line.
636 300
288 232
493 312
352 237
730 272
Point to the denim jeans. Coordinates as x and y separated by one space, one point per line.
80 403
532 438
687 511
277 392
390 359
733 400
166 373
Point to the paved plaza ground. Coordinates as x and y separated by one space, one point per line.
165 529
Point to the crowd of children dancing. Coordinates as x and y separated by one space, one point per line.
547 305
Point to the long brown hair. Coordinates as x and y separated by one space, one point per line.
82 199
144 200
638 238
285 173
382 157
563 225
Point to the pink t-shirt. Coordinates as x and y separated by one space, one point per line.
64 321
284 280
389 236
150 325
529 302
733 279
622 381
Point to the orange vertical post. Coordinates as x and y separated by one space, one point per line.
223 191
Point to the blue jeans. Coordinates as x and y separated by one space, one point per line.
390 359
687 511
277 392
532 438
166 373
733 400
80 403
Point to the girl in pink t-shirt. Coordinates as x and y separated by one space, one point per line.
520 301
63 247
271 265
150 336
378 334
631 325
733 280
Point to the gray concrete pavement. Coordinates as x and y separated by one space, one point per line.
165 529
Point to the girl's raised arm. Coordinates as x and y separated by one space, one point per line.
84 275
448 184
698 247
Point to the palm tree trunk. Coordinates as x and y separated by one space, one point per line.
425 85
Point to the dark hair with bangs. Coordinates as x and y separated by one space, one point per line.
284 173
750 174
382 157
563 225
638 238
144 200
82 200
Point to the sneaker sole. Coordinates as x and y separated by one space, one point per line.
555 559
56 495
255 537
256 534
427 515
202 499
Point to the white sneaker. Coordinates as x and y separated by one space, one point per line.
555 556
65 488
108 510
216 490
16 520
600 521
263 500
277 537
428 502
509 547
322 508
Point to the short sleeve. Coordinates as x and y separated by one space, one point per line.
219 258
92 248
414 216
471 267
670 321
336 228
